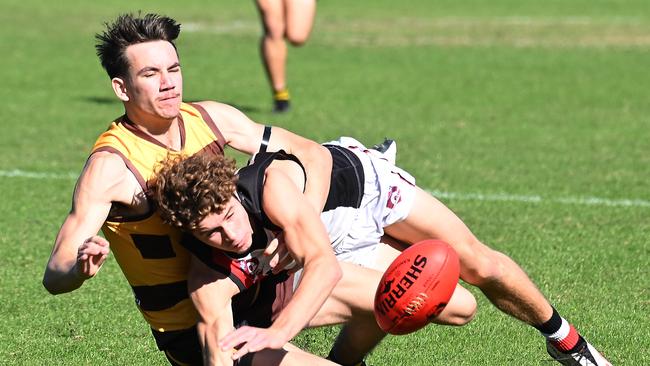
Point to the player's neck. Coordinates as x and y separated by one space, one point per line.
165 131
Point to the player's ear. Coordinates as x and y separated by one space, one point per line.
119 87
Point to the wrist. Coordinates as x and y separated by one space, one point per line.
281 333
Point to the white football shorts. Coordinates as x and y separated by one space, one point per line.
388 198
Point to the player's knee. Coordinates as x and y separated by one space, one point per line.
481 265
465 313
460 310
274 32
297 39
273 37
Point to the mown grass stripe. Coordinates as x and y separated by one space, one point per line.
17 173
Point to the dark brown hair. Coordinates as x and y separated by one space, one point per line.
128 30
189 189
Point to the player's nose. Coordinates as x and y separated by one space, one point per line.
229 232
166 81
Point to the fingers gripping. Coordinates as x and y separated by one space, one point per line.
91 254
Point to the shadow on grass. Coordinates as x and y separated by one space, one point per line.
100 100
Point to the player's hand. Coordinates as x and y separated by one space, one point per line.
90 256
250 339
280 257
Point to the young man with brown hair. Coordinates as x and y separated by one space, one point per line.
368 196
112 192
241 214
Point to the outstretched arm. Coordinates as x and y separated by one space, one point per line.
78 252
244 135
308 242
211 292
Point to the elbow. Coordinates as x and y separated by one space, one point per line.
336 273
326 269
54 284
50 286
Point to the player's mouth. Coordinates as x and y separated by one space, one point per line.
240 245
169 98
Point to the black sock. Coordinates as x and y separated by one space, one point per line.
333 359
561 334
552 325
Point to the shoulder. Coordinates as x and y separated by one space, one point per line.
106 175
238 130
283 172
279 189
217 109
105 163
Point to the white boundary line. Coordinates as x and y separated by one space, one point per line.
17 173
505 197
502 197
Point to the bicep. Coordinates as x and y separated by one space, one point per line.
245 135
91 203
287 207
292 143
239 131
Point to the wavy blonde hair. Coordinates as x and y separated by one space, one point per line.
187 189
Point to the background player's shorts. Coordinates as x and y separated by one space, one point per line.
388 198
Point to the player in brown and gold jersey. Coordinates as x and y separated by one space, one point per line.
111 193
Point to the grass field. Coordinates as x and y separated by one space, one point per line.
530 119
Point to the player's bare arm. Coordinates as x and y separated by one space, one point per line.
244 135
78 252
211 293
308 242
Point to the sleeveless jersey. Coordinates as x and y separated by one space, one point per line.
345 195
148 251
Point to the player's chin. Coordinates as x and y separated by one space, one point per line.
169 108
240 248
245 249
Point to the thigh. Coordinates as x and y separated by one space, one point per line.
431 219
299 18
272 13
353 296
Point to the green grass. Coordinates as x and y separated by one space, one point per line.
492 103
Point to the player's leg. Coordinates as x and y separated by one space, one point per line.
498 276
289 356
352 302
504 283
273 48
461 307
299 20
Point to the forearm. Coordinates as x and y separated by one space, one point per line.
211 295
209 335
318 281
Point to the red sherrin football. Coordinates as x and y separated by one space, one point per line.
416 286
